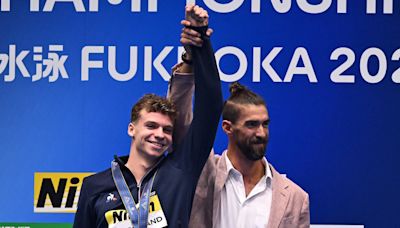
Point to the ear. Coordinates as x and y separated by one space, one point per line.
227 126
131 129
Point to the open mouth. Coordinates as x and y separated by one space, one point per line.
157 144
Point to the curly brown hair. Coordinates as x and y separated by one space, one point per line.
154 103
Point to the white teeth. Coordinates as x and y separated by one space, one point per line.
158 144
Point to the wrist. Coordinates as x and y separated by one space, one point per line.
187 58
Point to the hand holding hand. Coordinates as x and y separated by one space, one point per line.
196 15
190 36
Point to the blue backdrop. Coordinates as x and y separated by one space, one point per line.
327 69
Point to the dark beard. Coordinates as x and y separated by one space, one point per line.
251 149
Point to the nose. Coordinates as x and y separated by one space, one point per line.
262 131
159 133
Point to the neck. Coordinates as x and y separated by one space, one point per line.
138 165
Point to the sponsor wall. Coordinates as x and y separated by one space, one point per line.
70 71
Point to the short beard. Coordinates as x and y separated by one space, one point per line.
249 149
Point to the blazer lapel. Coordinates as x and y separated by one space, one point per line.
280 198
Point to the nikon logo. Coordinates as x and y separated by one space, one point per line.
57 192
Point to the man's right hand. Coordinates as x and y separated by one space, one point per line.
197 17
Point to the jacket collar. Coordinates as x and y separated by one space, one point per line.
128 175
280 193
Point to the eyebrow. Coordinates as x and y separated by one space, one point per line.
253 120
258 122
156 123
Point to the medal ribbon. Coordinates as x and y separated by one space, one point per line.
138 216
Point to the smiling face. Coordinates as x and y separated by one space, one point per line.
250 132
151 134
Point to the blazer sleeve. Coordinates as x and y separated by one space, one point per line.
304 220
180 91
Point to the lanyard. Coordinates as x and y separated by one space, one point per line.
138 216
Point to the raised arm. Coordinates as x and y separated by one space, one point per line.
181 85
197 143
